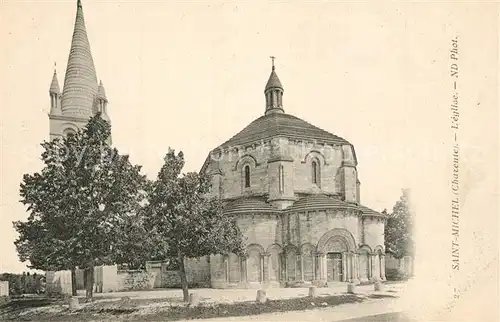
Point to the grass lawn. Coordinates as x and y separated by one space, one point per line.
43 309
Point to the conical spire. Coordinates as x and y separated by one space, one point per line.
274 92
102 102
274 81
80 83
55 95
101 93
54 85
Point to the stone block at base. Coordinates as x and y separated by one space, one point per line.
378 286
351 288
73 304
194 299
261 296
312 291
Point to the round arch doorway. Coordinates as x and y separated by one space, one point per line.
336 244
335 260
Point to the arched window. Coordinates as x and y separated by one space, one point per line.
315 172
247 176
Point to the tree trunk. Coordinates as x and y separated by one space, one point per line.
73 282
182 273
89 272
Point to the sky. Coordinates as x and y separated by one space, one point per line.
189 75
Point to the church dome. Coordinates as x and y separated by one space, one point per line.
281 124
275 122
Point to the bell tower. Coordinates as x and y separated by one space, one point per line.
274 92
81 96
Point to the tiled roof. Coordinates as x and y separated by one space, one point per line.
273 82
80 82
319 201
249 205
281 124
54 85
369 212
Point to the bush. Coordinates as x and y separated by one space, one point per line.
4 300
393 274
24 283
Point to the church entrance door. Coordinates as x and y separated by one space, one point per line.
334 267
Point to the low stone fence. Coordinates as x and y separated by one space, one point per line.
197 273
135 280
58 282
398 268
171 278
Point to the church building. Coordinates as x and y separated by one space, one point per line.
295 192
293 187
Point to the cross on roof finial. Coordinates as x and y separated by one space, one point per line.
272 59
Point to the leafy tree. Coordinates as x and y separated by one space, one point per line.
399 226
78 202
184 220
133 246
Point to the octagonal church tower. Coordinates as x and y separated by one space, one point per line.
295 192
82 96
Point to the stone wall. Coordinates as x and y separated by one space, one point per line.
308 228
170 278
105 278
333 178
135 280
373 231
58 282
273 240
218 271
262 229
4 288
58 125
329 162
403 265
232 166
349 178
281 191
79 274
197 273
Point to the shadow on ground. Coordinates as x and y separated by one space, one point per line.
21 304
